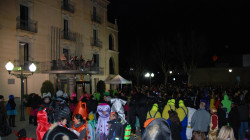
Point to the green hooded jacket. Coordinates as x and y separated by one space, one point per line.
226 103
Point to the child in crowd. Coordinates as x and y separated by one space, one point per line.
80 126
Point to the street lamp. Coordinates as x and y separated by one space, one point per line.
9 67
230 70
148 75
170 72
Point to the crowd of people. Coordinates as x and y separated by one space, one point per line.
156 113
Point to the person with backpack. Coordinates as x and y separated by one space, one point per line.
115 127
11 110
80 125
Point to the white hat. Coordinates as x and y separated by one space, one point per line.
59 93
46 95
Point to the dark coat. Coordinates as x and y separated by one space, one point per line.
115 131
243 112
221 117
61 110
5 129
233 117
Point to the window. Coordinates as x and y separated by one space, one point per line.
24 17
111 66
94 11
66 26
23 53
96 59
111 42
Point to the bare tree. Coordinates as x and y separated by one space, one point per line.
163 57
189 48
137 62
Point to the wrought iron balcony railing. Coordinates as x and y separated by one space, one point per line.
68 35
68 7
70 66
96 42
96 18
27 25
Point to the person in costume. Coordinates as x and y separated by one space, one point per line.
91 126
43 124
154 113
226 103
170 105
213 126
102 124
189 130
117 106
182 112
115 126
157 129
80 125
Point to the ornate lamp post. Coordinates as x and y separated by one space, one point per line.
150 76
9 67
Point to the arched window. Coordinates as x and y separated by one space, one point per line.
111 42
111 66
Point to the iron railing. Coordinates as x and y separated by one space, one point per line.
68 7
68 35
27 25
96 18
70 65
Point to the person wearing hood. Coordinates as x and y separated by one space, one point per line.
154 113
226 103
183 116
61 107
115 126
11 110
170 106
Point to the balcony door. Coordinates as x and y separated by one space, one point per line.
23 53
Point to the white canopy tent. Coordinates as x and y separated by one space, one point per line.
118 80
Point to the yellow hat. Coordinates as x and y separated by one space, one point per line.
155 107
172 101
91 116
181 103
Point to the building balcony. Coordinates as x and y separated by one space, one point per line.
96 42
27 25
68 7
68 35
70 67
96 18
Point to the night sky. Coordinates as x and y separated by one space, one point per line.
224 23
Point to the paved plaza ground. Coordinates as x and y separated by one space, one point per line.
31 129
